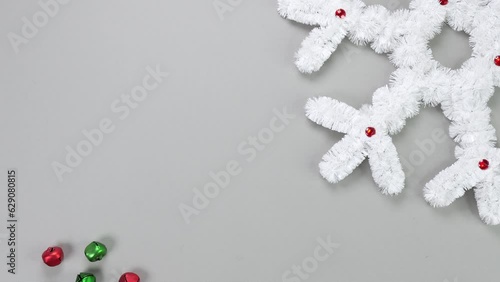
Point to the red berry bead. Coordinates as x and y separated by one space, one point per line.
340 13
370 131
443 2
129 277
53 256
497 61
484 164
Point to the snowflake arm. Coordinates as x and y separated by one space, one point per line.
386 168
318 47
329 29
468 172
450 184
342 159
331 113
487 195
311 13
349 153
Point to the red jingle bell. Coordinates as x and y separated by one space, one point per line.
497 61
370 131
129 277
340 13
484 164
53 256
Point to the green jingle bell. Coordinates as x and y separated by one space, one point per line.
85 277
95 251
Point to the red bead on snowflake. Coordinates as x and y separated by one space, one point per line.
497 61
443 2
484 164
340 13
370 131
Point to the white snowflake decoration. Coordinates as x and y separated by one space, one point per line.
419 79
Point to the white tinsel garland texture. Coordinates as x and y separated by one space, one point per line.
463 94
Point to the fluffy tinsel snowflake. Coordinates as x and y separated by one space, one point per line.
419 80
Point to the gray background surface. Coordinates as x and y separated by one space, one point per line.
226 77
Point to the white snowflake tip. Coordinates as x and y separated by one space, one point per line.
331 113
287 10
303 12
342 159
385 165
318 47
488 201
450 184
